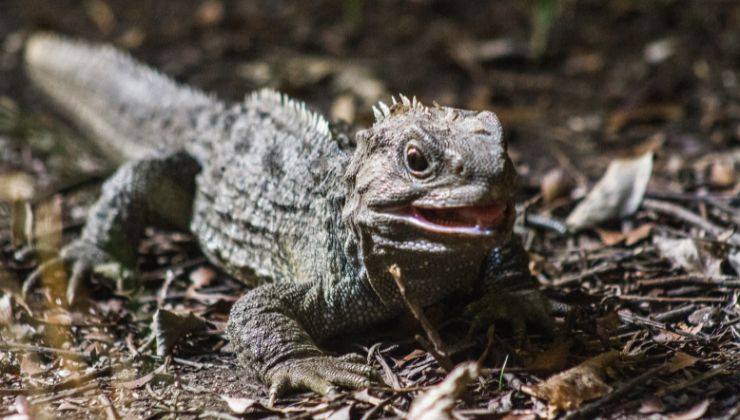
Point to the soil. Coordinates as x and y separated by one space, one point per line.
608 80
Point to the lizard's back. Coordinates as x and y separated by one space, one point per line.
269 193
269 200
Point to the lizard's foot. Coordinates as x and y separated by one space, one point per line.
79 258
320 374
520 308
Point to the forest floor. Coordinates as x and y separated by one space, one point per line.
649 90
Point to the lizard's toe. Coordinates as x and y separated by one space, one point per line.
79 259
320 374
45 270
519 308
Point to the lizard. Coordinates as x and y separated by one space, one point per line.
295 207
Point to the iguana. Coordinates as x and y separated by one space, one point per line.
285 202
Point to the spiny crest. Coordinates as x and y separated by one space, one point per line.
293 108
382 111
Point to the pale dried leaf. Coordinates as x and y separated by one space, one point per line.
690 255
239 405
438 402
16 186
695 412
617 194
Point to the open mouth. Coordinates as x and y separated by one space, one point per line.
477 220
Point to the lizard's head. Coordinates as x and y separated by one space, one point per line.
432 174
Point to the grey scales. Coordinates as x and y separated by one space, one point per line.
278 199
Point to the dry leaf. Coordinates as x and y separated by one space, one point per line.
568 390
690 255
638 234
170 327
722 174
681 360
16 186
695 412
239 405
556 184
617 194
610 237
437 403
6 310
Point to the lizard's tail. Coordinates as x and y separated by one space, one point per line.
128 108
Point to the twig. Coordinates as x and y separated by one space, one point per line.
672 299
64 394
439 352
722 281
674 313
692 381
687 216
639 321
110 409
598 269
42 349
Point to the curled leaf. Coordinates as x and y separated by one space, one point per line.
617 194
170 327
437 403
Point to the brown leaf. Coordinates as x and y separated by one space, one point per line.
610 237
568 390
681 360
638 234
438 402
170 327
617 194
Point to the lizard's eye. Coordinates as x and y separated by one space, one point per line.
416 162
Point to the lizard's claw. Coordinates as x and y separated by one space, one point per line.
520 308
320 374
78 258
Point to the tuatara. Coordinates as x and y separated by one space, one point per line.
285 202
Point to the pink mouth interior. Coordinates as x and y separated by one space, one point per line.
461 219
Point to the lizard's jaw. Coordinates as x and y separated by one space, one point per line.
480 220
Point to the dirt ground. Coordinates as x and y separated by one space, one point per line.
577 85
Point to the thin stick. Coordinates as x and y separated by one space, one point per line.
687 216
42 349
418 313
722 281
672 299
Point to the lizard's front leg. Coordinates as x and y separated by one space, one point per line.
155 191
509 292
275 327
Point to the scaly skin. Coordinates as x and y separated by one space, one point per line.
283 203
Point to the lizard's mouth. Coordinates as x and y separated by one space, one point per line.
466 220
